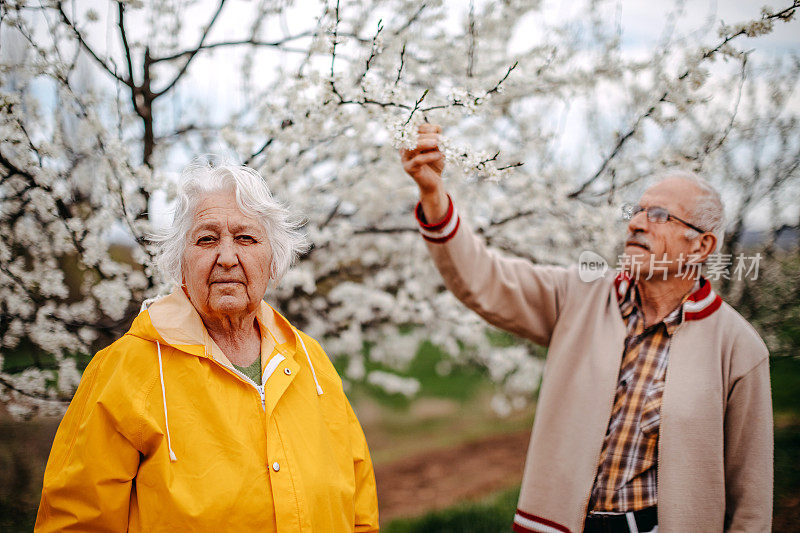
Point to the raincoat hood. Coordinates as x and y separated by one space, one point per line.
174 321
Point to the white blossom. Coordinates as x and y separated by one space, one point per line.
524 132
394 384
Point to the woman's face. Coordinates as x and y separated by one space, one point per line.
227 259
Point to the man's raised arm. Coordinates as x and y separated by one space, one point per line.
510 293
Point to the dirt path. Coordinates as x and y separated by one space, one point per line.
441 478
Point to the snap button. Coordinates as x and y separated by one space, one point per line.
276 466
287 371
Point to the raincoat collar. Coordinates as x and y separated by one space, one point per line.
176 322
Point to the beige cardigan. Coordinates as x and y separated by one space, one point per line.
715 445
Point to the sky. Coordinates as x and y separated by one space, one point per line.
643 27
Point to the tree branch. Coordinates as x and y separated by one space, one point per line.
333 54
373 52
88 48
472 39
9 385
192 53
402 63
251 41
411 20
784 15
617 147
124 37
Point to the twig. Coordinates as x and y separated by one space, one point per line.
88 48
332 214
251 41
124 37
8 384
334 90
472 39
371 229
512 165
402 63
411 20
416 107
729 127
784 14
373 52
620 143
258 152
193 53
476 100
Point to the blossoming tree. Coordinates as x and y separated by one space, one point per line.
547 123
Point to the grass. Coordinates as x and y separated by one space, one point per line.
785 373
489 516
785 377
463 382
449 408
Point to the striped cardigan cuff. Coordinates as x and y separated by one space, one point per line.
529 523
441 231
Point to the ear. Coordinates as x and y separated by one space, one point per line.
703 246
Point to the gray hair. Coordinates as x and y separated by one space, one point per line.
708 211
203 176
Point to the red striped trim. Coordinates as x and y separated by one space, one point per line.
622 276
447 237
436 232
706 311
705 291
702 292
540 520
439 226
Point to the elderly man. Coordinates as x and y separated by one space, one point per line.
654 412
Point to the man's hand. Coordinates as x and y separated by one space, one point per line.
425 164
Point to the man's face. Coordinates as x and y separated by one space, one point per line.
653 249
227 259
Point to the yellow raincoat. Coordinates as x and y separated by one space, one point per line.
165 435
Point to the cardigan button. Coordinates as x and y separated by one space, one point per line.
276 466
287 371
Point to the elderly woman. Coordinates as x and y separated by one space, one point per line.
213 413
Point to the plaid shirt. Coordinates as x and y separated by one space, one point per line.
627 474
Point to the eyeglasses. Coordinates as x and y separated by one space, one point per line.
659 215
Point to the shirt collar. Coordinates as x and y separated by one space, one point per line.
698 304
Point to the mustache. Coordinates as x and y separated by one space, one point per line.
637 238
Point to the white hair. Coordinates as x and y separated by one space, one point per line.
708 211
205 176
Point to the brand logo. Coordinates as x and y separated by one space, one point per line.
591 266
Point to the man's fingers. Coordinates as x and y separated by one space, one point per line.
425 162
427 142
430 128
419 160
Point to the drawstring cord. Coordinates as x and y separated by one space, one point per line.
313 373
172 456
